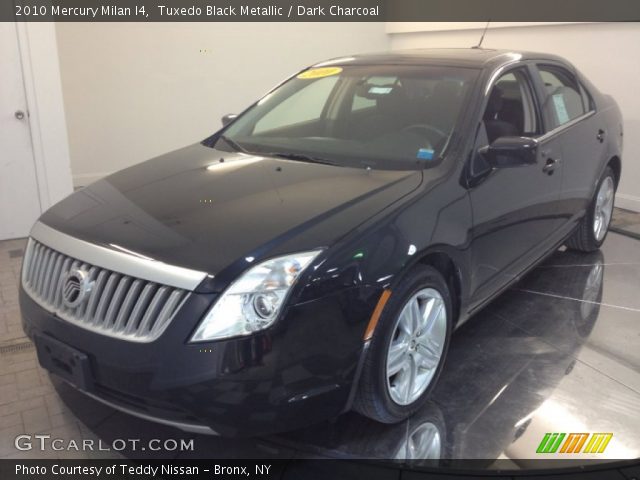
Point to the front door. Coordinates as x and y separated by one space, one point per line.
19 195
515 209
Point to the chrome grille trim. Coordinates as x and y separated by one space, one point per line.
118 305
130 264
184 426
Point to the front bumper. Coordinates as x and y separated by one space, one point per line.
298 372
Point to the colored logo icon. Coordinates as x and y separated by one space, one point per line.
574 443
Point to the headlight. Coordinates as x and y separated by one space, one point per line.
253 301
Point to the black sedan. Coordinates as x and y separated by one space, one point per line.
315 255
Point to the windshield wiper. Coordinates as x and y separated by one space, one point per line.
300 156
233 144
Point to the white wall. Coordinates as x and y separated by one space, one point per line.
607 53
134 91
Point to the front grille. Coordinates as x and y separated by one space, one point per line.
116 305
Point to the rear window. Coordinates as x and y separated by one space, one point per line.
564 99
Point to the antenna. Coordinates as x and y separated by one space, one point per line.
483 34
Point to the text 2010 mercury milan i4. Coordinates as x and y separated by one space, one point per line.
315 254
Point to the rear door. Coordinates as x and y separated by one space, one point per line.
515 210
570 111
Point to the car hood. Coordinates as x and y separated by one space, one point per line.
201 208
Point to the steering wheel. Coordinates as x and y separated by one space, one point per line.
429 129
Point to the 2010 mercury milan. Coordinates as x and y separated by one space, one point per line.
315 254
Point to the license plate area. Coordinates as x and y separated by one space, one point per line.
64 361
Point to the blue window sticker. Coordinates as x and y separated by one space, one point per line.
425 153
561 108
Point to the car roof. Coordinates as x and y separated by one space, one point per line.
461 57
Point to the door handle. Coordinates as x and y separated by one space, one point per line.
550 165
600 135
19 114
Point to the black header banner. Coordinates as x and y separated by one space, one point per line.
318 10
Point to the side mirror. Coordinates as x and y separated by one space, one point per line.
228 118
511 152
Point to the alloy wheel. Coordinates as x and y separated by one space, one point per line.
603 209
422 443
416 346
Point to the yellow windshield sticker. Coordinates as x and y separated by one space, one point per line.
320 72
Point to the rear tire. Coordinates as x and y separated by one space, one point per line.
407 349
593 227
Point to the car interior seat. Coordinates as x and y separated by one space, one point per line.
495 126
443 105
512 110
392 112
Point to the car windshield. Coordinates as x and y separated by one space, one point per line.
390 116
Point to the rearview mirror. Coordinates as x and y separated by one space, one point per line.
511 152
228 118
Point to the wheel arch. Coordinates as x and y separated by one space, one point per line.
616 165
447 267
450 264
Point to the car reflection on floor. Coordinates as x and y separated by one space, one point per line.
513 373
496 377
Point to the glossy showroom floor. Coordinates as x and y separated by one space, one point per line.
558 352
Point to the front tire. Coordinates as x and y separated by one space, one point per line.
408 348
593 227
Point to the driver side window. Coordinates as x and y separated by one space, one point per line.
511 109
